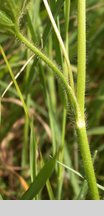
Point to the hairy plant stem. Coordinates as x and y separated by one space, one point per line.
80 123
87 160
81 128
54 68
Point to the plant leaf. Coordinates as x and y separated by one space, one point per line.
39 181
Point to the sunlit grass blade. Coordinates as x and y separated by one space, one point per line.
56 10
60 41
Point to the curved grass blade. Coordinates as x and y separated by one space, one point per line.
77 173
55 12
40 180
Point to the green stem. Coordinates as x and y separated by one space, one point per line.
81 128
87 161
81 55
56 71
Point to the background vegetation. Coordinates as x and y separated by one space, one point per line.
25 146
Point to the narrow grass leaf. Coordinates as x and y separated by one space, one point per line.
48 185
40 180
77 173
60 42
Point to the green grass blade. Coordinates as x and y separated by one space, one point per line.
14 81
55 12
40 180
48 184
60 42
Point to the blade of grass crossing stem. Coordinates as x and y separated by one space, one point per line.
55 12
77 173
40 180
84 188
60 42
14 81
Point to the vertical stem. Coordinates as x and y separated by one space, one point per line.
81 55
81 128
87 161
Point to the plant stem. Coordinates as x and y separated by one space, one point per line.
87 161
56 71
81 55
81 128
